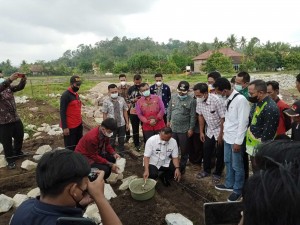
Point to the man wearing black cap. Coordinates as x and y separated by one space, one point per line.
70 114
294 113
181 118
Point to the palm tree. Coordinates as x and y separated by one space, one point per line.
232 41
243 42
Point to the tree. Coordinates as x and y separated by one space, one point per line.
292 61
251 47
265 61
232 41
243 42
220 62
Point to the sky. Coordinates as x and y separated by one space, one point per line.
34 30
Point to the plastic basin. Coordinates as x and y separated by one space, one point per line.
142 193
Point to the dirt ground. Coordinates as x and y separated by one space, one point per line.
186 197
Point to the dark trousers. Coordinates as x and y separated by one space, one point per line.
209 147
149 133
128 131
181 139
120 133
7 132
73 138
167 172
245 159
105 167
135 123
195 148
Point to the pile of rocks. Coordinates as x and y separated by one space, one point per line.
286 81
21 100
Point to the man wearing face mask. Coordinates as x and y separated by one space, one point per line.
161 157
211 112
265 118
162 90
70 114
241 83
134 95
181 118
150 110
11 125
62 177
95 146
235 127
211 79
115 107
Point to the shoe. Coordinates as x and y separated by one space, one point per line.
20 154
202 175
11 165
165 181
138 148
234 197
222 187
216 178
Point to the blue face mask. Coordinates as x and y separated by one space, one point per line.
238 87
182 97
2 80
146 93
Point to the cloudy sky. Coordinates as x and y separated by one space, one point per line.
45 29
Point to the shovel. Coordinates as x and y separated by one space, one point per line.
143 186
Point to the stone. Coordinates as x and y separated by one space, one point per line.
18 199
34 109
92 213
55 126
98 120
31 127
3 162
177 219
28 165
36 134
26 136
121 162
125 185
1 148
37 157
109 192
43 149
33 193
113 178
5 203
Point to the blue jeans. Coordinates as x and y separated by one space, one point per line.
235 173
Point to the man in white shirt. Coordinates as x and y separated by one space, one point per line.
159 150
235 127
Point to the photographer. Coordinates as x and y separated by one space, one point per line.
62 177
11 125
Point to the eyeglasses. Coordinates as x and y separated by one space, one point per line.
84 192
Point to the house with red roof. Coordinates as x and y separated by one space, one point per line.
202 58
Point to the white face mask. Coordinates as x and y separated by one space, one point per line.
210 87
222 97
158 83
123 83
2 80
114 95
200 100
108 134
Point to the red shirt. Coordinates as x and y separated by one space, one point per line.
281 126
93 143
151 108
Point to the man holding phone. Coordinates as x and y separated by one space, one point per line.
11 125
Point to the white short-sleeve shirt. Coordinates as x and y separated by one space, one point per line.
160 153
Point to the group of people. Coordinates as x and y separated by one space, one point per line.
218 124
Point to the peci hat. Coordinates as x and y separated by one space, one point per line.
75 79
294 110
183 87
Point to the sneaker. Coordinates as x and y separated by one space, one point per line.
202 175
11 165
216 178
222 187
234 197
20 154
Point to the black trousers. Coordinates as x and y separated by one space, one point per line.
181 139
120 133
168 172
7 132
106 168
195 147
135 123
245 159
149 133
209 147
73 138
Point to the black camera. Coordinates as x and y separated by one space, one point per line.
92 176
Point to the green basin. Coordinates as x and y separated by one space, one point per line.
142 193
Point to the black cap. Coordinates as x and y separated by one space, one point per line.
183 86
294 110
75 79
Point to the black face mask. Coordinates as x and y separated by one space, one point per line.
75 89
253 99
137 86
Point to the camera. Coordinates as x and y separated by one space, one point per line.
21 75
92 176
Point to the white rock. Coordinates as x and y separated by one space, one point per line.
18 199
121 162
98 120
113 178
28 165
38 137
5 203
37 157
34 109
1 148
47 129
92 213
98 114
43 149
177 219
125 185
31 127
36 134
41 129
3 162
33 193
55 126
120 176
26 136
109 192
44 124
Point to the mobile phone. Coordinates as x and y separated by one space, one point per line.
74 221
21 75
222 212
